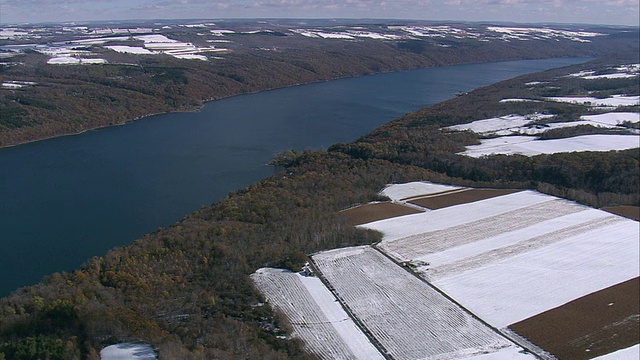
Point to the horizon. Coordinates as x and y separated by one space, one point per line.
336 19
568 12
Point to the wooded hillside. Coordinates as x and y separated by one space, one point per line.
67 99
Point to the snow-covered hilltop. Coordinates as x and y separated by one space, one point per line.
71 43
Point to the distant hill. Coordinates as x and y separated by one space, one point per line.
63 79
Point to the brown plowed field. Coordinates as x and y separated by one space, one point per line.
377 211
461 197
408 199
631 212
590 326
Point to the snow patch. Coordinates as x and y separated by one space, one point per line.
615 100
402 191
531 146
130 49
487 126
128 351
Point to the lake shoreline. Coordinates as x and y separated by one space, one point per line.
151 174
204 102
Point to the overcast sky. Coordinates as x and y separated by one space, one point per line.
615 12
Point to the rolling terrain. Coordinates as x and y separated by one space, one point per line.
62 79
187 289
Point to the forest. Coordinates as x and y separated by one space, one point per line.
185 289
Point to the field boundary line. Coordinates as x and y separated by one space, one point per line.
521 247
424 196
525 346
428 242
523 340
383 351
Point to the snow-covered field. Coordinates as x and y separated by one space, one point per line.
531 145
130 49
16 84
620 72
407 190
527 33
505 258
315 315
613 101
75 52
128 351
495 125
630 353
511 257
613 118
517 132
408 317
533 124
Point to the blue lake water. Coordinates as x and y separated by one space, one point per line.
66 199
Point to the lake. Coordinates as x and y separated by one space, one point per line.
66 199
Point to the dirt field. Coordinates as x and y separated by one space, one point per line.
593 325
459 197
377 211
409 199
631 212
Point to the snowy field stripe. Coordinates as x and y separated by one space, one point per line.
400 227
506 239
357 342
531 146
408 317
421 244
315 315
527 284
615 100
520 247
448 192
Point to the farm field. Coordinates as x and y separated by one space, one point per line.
592 325
414 198
128 351
536 124
315 315
416 188
376 211
531 145
512 257
411 236
607 125
439 201
631 212
408 317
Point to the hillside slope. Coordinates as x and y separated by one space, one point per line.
60 80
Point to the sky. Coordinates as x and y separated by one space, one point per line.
610 12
